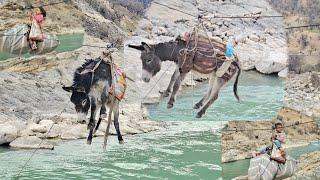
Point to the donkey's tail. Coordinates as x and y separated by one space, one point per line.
235 85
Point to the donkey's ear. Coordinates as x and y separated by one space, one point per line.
145 46
68 89
140 47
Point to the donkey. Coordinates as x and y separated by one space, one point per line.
153 55
91 85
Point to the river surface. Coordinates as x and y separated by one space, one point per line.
188 148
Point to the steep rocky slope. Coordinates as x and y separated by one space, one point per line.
303 93
303 43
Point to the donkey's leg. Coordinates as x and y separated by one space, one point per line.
175 89
211 80
95 106
217 85
116 121
102 115
174 77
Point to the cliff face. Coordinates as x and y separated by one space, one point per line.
303 93
303 43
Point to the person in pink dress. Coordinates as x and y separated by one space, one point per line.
36 31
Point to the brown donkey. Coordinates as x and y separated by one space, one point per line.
202 60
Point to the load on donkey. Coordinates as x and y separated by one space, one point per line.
196 52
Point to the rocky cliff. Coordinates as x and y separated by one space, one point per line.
303 93
303 43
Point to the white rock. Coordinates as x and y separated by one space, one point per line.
56 131
30 142
37 128
7 133
283 73
254 38
75 132
241 38
268 67
219 23
27 132
162 31
146 25
46 123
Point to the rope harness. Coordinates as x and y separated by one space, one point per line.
202 50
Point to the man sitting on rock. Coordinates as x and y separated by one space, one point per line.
278 139
276 150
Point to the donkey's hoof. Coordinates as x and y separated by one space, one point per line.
89 141
198 115
169 106
121 142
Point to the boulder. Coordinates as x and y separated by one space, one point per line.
283 73
254 38
241 38
31 142
55 131
7 133
162 31
37 128
269 67
75 132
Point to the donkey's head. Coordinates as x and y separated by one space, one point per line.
80 99
151 63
